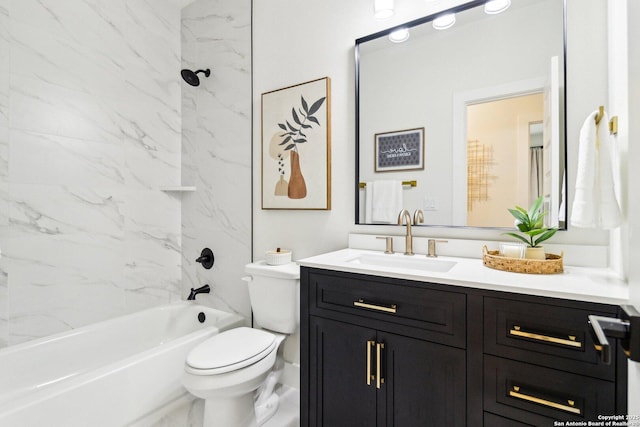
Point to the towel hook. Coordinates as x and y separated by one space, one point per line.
613 123
600 114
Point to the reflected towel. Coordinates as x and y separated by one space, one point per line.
595 204
383 201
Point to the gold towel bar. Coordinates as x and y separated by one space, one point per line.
409 183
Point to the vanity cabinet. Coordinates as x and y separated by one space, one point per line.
370 369
541 364
379 351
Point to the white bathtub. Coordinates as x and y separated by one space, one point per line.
114 373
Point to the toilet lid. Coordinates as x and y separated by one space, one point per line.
231 350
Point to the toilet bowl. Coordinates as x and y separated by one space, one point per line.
234 371
226 369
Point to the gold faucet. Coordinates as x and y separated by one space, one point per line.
405 217
418 217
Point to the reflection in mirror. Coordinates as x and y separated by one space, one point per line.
488 97
498 149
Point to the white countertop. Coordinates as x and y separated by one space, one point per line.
576 283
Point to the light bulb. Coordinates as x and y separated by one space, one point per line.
493 7
400 35
445 21
383 9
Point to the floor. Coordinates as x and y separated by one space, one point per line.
288 414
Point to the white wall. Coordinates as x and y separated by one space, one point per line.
89 131
216 150
290 50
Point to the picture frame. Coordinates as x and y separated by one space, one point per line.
399 150
296 146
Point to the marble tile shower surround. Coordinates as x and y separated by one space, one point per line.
216 150
90 129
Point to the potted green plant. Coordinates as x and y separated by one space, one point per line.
530 223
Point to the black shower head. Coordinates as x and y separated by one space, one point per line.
192 77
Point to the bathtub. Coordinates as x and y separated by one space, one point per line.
119 372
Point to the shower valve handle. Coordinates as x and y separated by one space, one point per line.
206 258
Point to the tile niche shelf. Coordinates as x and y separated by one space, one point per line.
178 188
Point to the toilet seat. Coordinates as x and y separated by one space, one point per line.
230 351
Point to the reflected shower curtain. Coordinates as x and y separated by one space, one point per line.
536 173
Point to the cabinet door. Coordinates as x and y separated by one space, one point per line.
339 393
424 383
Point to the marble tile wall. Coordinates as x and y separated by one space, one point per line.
4 164
216 150
90 129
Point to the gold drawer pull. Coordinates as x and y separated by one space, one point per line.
360 303
379 379
370 377
569 341
570 407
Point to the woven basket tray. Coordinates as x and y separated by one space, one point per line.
551 265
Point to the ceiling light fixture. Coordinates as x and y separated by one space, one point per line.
399 35
444 21
493 7
383 9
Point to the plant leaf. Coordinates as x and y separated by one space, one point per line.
521 217
295 116
534 210
304 105
291 128
305 126
316 105
299 141
289 147
519 237
536 231
547 235
282 126
313 119
287 139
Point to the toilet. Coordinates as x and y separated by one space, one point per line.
236 371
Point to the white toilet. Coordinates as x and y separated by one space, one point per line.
234 370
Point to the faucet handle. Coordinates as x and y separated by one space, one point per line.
431 247
418 217
389 243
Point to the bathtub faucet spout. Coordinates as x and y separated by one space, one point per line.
202 290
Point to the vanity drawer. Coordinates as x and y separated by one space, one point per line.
545 334
391 304
538 395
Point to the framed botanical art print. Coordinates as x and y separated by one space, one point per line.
296 146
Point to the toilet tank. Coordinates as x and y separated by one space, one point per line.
275 295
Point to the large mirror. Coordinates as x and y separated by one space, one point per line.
463 122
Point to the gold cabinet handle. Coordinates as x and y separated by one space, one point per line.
569 407
379 379
370 377
360 303
570 341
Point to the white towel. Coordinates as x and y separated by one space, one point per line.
383 201
595 204
368 202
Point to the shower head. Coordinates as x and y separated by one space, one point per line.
192 77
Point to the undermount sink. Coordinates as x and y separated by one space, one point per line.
417 262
